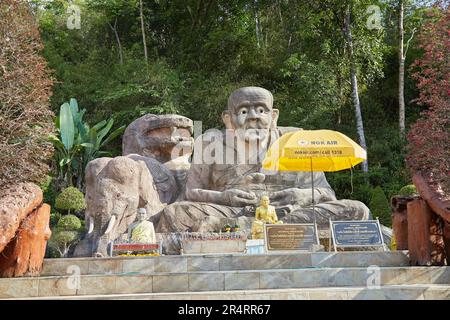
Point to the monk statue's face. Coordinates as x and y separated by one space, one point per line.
265 202
142 215
250 111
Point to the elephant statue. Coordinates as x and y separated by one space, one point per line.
115 189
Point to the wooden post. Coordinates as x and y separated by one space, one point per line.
446 236
419 216
400 220
437 240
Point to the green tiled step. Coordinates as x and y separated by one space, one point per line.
389 292
191 263
159 282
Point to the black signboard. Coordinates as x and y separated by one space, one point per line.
280 237
356 233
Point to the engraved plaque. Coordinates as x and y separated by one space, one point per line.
357 233
281 237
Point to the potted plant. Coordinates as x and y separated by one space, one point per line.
227 228
236 228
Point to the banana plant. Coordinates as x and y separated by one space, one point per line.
77 143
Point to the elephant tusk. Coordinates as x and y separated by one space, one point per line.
111 223
91 225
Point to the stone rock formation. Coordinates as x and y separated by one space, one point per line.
25 254
165 143
158 137
221 192
24 230
15 205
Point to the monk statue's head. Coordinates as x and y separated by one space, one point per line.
265 201
250 109
142 214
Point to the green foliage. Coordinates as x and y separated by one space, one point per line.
78 142
65 235
61 242
380 208
69 223
70 199
200 51
54 218
408 190
49 190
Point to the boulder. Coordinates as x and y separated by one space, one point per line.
15 205
24 255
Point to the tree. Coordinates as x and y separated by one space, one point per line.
429 137
380 208
144 41
65 235
354 84
25 90
401 61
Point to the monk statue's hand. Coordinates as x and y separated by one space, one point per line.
238 198
289 196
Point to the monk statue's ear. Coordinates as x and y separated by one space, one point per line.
226 118
275 115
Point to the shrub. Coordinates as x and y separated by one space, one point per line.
62 241
69 223
25 90
65 236
54 218
409 190
70 199
380 208
49 190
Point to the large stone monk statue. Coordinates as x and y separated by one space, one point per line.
226 181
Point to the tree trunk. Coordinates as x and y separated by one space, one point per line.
401 72
354 83
119 44
257 26
143 31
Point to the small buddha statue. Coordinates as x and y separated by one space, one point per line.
265 213
141 231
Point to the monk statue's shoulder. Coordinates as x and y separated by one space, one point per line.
284 130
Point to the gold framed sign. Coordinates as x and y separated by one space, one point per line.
290 237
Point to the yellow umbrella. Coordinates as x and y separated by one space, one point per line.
313 150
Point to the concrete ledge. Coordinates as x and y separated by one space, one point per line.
160 282
223 262
401 292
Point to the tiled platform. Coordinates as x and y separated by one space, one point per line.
276 276
219 281
191 263
398 292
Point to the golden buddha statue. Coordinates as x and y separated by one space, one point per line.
265 213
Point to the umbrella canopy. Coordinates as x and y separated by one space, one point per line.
313 150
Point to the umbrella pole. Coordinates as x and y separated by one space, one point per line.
313 201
